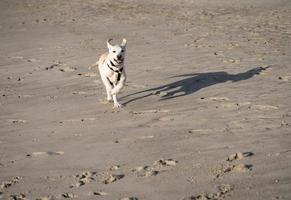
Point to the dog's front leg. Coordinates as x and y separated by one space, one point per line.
108 87
119 85
116 90
116 103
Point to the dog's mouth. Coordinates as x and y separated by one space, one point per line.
119 60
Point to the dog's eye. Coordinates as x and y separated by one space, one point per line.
122 50
113 51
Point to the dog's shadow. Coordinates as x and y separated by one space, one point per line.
193 83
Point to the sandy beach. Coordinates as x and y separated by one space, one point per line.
207 100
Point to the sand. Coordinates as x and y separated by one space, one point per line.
207 101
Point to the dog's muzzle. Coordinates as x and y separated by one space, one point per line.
119 59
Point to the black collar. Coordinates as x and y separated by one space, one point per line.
116 71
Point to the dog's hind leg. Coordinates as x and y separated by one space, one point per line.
109 96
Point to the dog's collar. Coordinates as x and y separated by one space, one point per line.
119 71
116 71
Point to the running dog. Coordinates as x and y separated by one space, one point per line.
112 70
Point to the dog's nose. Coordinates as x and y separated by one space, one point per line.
118 57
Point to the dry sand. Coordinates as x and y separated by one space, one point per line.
208 100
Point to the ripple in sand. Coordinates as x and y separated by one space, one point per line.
79 120
285 78
47 198
90 74
49 153
17 121
100 193
264 107
67 69
149 111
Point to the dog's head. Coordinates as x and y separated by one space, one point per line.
117 52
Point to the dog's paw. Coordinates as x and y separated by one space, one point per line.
117 105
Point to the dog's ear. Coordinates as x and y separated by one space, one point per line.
108 43
123 44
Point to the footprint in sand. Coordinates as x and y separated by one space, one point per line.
238 156
243 167
223 191
85 177
227 168
224 169
110 178
45 153
114 167
68 195
165 162
18 197
13 181
145 171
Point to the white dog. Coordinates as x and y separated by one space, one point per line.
112 72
